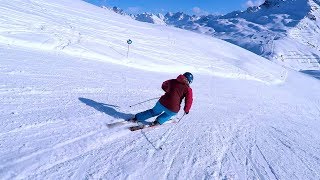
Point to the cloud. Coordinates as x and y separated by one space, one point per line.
199 11
252 3
196 10
134 10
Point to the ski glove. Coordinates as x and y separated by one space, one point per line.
186 112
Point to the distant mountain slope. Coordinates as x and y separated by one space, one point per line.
285 31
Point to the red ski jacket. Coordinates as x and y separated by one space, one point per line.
176 90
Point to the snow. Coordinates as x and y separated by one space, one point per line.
150 18
65 75
283 31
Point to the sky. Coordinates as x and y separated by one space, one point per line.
197 7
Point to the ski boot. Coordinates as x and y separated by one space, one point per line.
154 123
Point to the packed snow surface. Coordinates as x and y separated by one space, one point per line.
66 72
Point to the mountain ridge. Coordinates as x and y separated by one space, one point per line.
261 30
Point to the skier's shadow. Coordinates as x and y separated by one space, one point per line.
106 108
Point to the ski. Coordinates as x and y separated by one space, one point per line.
135 128
139 127
120 123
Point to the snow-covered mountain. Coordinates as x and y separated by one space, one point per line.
268 29
66 71
263 30
150 18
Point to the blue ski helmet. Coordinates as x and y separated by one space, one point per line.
189 77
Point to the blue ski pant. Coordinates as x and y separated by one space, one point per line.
159 110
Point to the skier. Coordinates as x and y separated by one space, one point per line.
169 104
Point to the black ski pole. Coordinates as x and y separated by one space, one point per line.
144 101
160 147
181 117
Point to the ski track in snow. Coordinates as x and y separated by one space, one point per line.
71 138
56 102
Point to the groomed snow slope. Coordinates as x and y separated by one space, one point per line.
64 75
